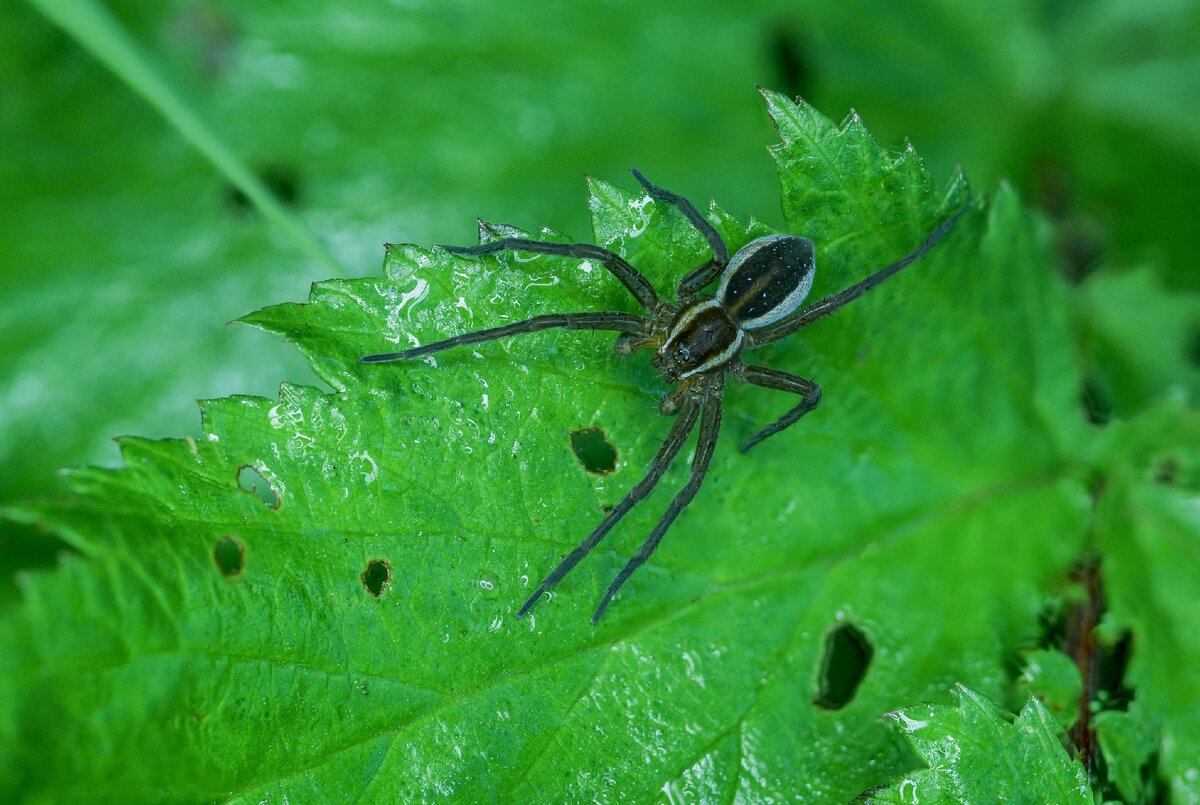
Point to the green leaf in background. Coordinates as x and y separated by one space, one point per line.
1142 340
976 754
358 637
1148 527
1092 109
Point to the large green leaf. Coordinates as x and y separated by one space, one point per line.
976 755
928 505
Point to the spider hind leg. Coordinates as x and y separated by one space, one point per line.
706 442
679 433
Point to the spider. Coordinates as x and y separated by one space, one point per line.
697 340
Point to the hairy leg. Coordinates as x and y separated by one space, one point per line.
769 378
710 428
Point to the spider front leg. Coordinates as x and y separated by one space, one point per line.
696 279
658 465
637 285
628 324
706 442
780 381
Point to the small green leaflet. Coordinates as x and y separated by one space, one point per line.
976 753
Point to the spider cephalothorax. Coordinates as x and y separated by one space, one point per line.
697 341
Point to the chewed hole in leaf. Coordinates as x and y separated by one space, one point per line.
594 451
230 555
847 656
376 577
252 481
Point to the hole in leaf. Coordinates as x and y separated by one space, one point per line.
281 180
847 656
230 555
594 451
1096 400
252 481
376 577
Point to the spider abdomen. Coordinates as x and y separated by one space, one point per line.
766 280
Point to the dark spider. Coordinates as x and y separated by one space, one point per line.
698 339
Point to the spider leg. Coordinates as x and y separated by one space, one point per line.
696 279
819 310
630 277
627 323
706 442
658 465
780 381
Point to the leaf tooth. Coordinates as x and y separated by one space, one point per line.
402 260
796 119
611 206
957 191
278 319
489 232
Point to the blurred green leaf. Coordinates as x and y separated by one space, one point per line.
1141 340
1129 743
976 754
1091 109
1148 528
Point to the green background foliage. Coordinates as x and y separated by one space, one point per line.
1018 403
